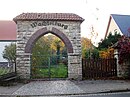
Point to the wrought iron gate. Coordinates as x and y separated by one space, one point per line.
51 66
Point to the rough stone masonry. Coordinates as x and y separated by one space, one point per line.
31 26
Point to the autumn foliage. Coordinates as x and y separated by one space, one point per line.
109 53
123 47
86 45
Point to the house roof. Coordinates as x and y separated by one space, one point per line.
49 16
123 22
7 30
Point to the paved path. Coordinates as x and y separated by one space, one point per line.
8 90
67 87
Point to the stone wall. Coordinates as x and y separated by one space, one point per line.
123 69
25 30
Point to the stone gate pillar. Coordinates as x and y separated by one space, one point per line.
123 69
74 66
31 26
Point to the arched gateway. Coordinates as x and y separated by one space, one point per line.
31 26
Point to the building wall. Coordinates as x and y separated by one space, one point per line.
113 27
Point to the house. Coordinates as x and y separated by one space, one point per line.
7 30
7 35
118 23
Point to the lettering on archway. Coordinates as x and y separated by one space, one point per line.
31 26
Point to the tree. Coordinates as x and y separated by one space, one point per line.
86 46
109 41
95 53
57 45
123 46
44 48
9 52
49 44
105 45
40 52
106 53
88 49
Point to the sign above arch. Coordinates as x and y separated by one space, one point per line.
47 23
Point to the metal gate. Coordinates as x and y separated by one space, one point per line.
51 66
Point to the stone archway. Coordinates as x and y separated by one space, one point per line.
42 32
31 26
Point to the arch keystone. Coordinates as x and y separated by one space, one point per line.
49 28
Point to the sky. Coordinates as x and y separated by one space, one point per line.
95 12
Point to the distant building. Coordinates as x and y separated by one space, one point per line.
7 35
7 30
120 24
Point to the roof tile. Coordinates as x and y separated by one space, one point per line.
123 22
49 16
7 30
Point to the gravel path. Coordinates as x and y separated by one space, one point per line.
70 87
64 87
8 90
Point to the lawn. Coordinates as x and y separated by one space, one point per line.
55 71
3 71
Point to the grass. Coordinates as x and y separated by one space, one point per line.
3 71
57 71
